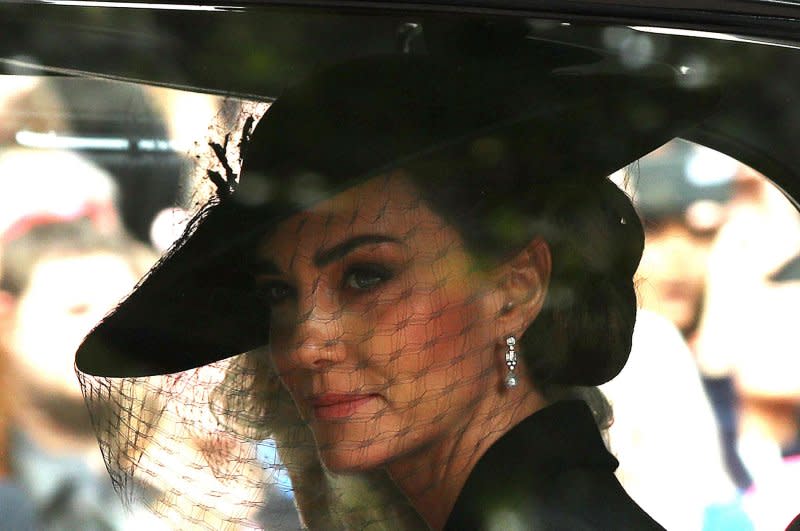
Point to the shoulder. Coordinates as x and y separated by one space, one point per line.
550 472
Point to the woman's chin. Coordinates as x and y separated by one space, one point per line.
350 461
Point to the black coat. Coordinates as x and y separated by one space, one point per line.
551 472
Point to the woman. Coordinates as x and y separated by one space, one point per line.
438 275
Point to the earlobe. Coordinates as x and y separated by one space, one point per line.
523 282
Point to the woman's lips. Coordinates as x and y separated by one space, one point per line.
331 406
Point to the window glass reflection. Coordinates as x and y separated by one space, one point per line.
105 177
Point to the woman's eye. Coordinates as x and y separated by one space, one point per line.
365 278
276 292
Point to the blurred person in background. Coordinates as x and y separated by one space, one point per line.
16 505
118 128
58 280
749 332
64 268
48 186
644 438
681 192
136 138
49 182
54 186
28 103
68 262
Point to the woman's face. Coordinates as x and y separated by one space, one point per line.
673 271
65 297
380 328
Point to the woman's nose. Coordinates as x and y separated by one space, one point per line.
319 335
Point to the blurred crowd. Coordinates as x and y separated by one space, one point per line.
707 412
66 258
99 180
710 401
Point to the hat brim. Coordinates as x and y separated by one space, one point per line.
360 119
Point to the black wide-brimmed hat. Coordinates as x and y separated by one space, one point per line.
570 114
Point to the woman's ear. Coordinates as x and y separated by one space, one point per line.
522 286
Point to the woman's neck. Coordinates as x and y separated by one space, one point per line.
433 476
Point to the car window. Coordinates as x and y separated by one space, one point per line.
278 241
705 218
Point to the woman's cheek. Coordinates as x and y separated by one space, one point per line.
422 331
280 339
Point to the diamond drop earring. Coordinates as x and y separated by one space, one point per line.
511 363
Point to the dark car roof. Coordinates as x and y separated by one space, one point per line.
752 125
767 18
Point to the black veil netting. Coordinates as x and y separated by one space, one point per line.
506 142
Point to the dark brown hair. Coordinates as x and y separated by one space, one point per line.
499 205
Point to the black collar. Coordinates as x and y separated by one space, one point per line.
526 464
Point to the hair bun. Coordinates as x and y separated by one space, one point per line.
590 311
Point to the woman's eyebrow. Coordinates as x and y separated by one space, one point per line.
265 267
324 257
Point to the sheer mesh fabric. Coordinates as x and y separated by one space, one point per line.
223 446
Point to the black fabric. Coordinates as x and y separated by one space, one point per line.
725 404
788 272
793 448
550 472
